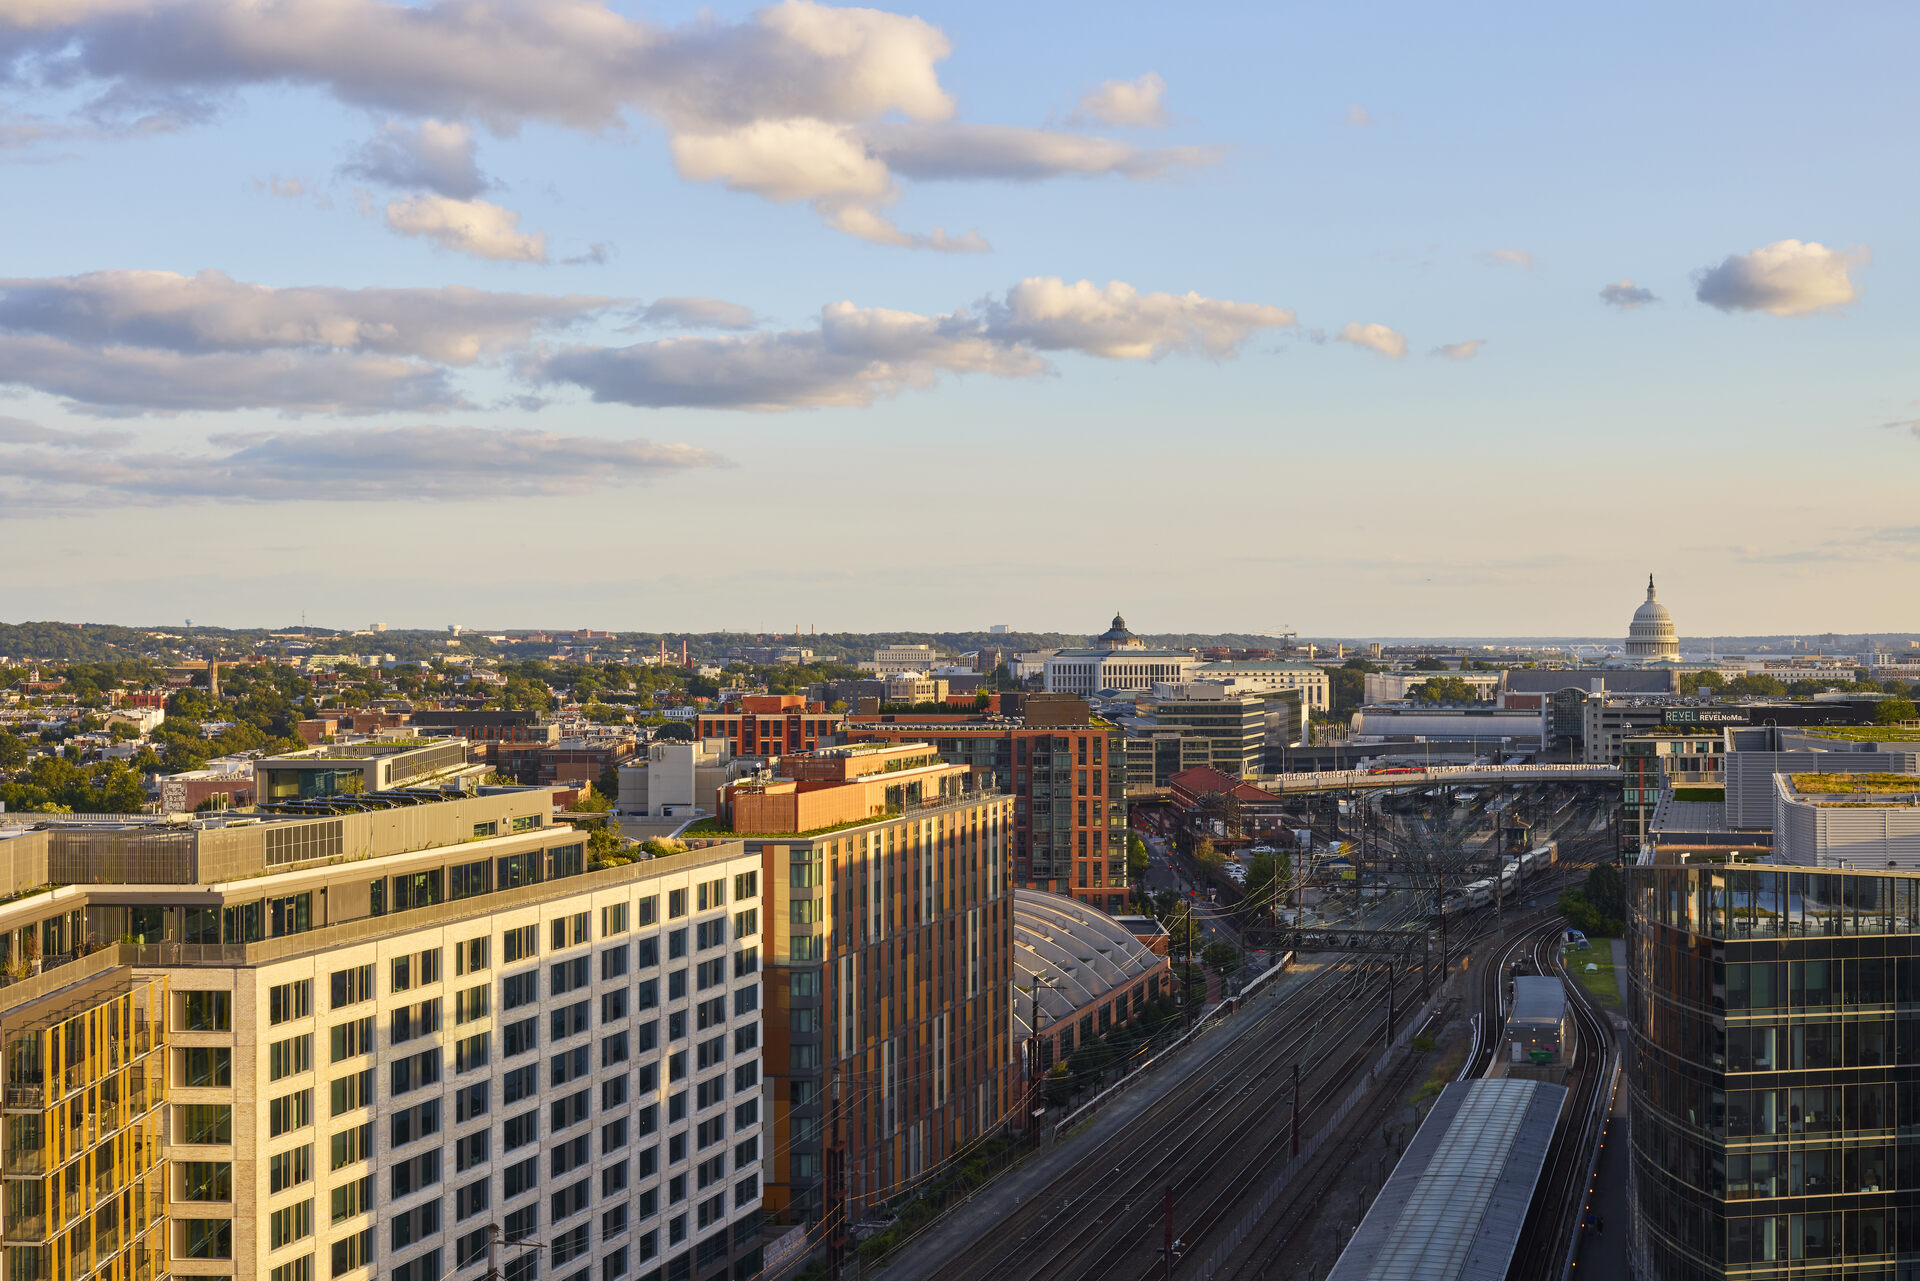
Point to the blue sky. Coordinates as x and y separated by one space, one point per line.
371 414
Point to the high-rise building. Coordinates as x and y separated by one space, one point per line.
889 968
383 1025
1774 1072
1066 772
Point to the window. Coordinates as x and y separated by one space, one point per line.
520 1178
567 860
350 1092
676 1107
746 961
410 1021
469 1101
519 1038
470 1249
646 1120
647 995
747 923
519 990
424 1268
711 1091
285 1058
708 934
518 944
350 987
289 1224
350 1200
710 1013
207 1238
746 885
676 943
519 1084
746 1114
648 1245
416 1122
568 1020
710 1052
471 1053
566 976
206 1065
613 1006
470 957
416 1224
613 1049
710 1131
206 1181
614 1264
569 1245
418 889
290 1168
710 1171
518 1131
745 1001
300 1269
647 910
746 1038
416 1172
613 1093
569 1201
613 1179
746 1152
676 985
613 962
677 1191
711 894
746 1192
676 904
289 1112
470 1200
570 1110
567 1157
469 1151
677 1066
352 1039
353 1252
613 920
646 953
351 1146
613 1136
566 1067
613 1222
469 880
207 1011
569 931
290 1001
474 1003
415 1071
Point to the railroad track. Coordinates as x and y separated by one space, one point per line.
1102 1218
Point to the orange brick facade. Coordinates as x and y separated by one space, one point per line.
771 725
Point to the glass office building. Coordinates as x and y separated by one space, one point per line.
1774 1069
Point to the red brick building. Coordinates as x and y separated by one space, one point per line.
1066 771
771 725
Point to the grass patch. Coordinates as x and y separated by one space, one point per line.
1844 784
1867 734
1699 793
1598 981
1442 1076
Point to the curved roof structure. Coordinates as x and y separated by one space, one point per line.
1117 636
1078 953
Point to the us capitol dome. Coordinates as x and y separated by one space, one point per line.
1651 638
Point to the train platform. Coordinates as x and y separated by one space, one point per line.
1453 1208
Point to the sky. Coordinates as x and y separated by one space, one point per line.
1356 320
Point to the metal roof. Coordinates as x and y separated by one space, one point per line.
1453 1207
1538 1000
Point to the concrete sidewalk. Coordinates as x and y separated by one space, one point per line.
974 1219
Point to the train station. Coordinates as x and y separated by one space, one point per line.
1453 1208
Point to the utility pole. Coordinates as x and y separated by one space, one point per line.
1390 1010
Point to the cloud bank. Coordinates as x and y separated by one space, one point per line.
1785 278
1374 337
1140 103
798 103
472 227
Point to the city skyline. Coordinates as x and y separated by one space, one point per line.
1489 302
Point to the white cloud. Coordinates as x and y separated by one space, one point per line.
1466 350
1375 337
436 155
1626 295
211 311
855 355
800 102
1139 103
1120 323
18 431
1785 278
472 227
1358 115
696 313
1510 257
344 465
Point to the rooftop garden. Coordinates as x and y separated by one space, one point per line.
1866 733
1856 784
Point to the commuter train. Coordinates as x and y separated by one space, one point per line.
1513 873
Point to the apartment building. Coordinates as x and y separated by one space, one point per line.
889 967
387 1026
1066 770
770 725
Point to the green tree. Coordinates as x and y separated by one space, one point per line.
1138 859
1268 876
1446 689
608 784
1756 686
13 750
1205 854
1059 1085
1221 957
1692 683
1891 711
1428 663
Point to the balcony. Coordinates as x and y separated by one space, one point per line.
26 1098
28 1228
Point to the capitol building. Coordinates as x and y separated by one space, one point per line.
1651 638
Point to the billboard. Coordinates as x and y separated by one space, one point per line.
1704 716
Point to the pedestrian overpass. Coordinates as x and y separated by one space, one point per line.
1433 775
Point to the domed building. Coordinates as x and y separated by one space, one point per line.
1651 638
1118 637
